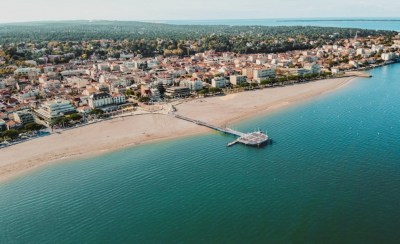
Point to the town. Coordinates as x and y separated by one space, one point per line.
62 89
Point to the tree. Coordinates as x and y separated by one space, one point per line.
61 121
144 99
12 134
33 127
96 111
161 89
75 117
128 92
215 90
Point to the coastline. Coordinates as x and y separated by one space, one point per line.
119 133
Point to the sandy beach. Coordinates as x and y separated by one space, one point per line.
118 133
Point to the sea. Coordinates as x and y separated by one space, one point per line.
332 175
392 24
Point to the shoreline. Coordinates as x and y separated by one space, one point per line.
119 133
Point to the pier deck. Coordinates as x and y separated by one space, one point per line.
251 139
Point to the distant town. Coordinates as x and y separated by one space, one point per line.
63 89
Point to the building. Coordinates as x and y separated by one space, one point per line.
104 99
51 110
218 82
24 117
155 94
313 68
238 79
27 71
263 74
301 72
73 72
140 64
100 100
388 56
3 125
248 72
193 85
118 99
177 92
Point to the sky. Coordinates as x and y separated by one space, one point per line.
39 10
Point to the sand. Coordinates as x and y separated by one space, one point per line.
118 133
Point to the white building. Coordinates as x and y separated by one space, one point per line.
2 84
313 68
23 117
388 56
127 56
237 79
54 109
301 72
103 67
104 99
193 85
3 125
262 74
360 51
118 98
73 72
155 94
218 82
78 82
100 100
27 71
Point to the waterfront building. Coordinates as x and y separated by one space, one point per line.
237 79
262 74
248 72
155 94
313 68
51 110
3 125
177 92
24 117
388 56
103 99
218 82
301 72
193 85
100 100
118 98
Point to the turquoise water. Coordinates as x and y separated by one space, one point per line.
331 176
363 23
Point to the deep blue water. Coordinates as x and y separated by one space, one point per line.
331 176
364 23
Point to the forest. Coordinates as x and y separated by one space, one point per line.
155 38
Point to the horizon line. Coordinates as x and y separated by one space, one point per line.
222 19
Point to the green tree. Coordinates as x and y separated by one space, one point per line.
144 99
33 127
12 134
75 117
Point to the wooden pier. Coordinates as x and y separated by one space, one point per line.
257 138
